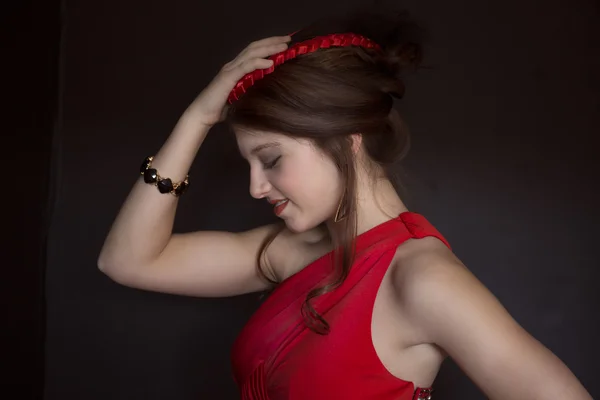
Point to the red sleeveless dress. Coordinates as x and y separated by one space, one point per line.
277 357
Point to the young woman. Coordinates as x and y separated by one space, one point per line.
366 297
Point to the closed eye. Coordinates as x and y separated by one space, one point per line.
271 164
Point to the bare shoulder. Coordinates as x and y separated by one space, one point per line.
420 250
422 269
445 304
416 257
438 295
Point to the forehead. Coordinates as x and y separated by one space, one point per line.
252 142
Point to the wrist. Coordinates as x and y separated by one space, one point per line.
195 120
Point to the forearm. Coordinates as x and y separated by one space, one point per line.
144 224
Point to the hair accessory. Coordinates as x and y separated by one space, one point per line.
164 185
304 47
338 217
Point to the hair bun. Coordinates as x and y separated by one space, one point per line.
403 56
399 35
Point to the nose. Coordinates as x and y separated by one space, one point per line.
259 184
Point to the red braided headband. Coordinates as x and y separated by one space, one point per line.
305 47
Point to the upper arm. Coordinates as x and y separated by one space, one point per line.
453 309
205 264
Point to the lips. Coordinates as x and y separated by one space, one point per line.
275 201
278 209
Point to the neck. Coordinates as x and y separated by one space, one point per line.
376 205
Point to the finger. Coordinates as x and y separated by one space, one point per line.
265 43
252 65
266 51
258 52
273 40
232 76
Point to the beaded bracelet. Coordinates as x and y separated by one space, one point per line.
164 185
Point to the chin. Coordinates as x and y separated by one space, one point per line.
300 225
294 226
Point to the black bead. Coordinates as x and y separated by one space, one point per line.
165 185
145 165
181 188
150 175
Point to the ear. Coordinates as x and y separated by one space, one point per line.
356 142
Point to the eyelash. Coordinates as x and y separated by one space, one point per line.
272 164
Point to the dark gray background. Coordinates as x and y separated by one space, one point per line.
502 163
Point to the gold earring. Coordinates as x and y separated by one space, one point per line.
337 214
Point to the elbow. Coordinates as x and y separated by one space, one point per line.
102 265
103 262
105 267
119 272
110 269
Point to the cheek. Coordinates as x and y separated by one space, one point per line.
310 183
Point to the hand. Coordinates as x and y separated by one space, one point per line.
210 107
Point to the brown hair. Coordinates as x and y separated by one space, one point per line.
330 94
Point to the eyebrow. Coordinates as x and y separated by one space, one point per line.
264 146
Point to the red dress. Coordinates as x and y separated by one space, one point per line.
277 357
